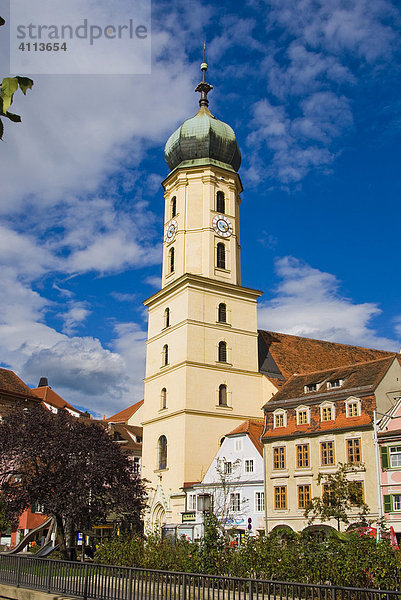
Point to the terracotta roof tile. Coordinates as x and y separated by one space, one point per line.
281 353
359 375
48 395
253 428
10 382
124 415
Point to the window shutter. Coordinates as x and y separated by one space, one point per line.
384 457
387 503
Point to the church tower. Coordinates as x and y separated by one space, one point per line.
202 376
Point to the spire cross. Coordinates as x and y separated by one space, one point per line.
203 87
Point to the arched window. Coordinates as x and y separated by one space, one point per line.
162 452
167 317
222 395
222 313
222 352
165 355
220 203
173 207
163 398
221 256
171 259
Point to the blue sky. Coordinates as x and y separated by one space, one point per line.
312 90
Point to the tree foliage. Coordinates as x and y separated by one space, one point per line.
8 87
69 466
340 498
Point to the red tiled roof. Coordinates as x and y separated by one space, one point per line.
253 428
358 375
295 354
124 415
10 382
48 395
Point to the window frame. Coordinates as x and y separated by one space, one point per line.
303 409
220 197
162 453
393 454
249 462
280 497
302 456
221 256
223 395
348 403
163 398
277 414
259 502
325 406
222 313
173 207
350 449
171 260
222 353
333 451
235 502
301 496
165 356
279 458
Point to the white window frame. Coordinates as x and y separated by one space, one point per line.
396 503
333 411
300 409
349 401
306 386
228 467
259 502
249 462
330 385
391 454
237 496
277 413
192 502
238 445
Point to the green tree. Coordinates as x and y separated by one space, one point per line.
340 497
8 87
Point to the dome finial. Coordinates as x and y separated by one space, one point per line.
203 87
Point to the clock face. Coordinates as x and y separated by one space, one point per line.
170 232
222 226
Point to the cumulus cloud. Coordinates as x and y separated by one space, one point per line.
308 302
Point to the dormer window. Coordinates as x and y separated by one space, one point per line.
327 412
334 383
353 407
280 418
310 387
302 415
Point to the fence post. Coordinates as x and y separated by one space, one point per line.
130 585
333 593
85 595
250 593
184 586
19 571
49 576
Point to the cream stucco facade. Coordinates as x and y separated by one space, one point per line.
182 384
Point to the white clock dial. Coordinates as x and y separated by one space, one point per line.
171 231
222 225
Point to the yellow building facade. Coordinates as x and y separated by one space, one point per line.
202 375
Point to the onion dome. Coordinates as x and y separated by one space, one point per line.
203 139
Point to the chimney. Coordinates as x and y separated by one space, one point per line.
43 382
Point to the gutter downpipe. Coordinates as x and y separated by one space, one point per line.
378 475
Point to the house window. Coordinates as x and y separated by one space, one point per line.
357 496
167 317
171 254
222 355
173 207
302 416
334 383
162 452
352 408
235 502
327 456
191 502
397 502
220 203
302 456
222 313
249 466
222 395
304 495
354 450
163 398
310 387
327 413
279 457
395 456
221 256
228 468
259 501
327 494
165 355
280 497
238 445
279 420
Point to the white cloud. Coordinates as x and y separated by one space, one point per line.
75 315
308 303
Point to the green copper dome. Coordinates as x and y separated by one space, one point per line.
203 138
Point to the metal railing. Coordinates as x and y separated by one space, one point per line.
103 582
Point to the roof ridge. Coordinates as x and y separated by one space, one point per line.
303 337
347 366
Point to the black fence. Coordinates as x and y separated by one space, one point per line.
103 582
